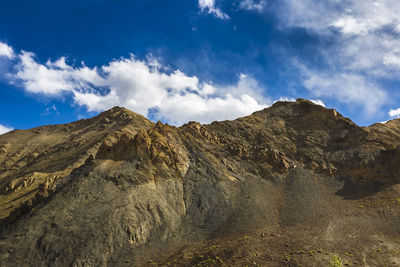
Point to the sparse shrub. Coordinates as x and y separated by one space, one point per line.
335 261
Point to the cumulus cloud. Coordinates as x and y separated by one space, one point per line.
53 78
144 86
209 7
4 129
394 113
253 5
6 51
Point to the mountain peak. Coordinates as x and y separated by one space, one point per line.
299 103
304 114
119 111
122 114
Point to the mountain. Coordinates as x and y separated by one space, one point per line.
295 184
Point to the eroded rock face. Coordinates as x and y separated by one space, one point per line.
120 190
160 145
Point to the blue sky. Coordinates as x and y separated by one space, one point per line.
203 60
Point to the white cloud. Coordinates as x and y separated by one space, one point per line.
202 109
394 113
54 77
363 17
143 86
362 50
286 99
209 7
349 17
6 51
392 58
253 5
4 129
350 89
366 33
318 102
310 14
350 25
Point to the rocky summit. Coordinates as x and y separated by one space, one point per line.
295 184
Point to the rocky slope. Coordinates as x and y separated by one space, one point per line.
292 185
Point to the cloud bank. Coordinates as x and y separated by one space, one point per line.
143 86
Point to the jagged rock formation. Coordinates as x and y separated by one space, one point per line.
293 185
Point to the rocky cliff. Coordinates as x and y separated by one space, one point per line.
295 184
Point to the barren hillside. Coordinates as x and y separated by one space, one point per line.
295 184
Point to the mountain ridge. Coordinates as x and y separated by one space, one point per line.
118 189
